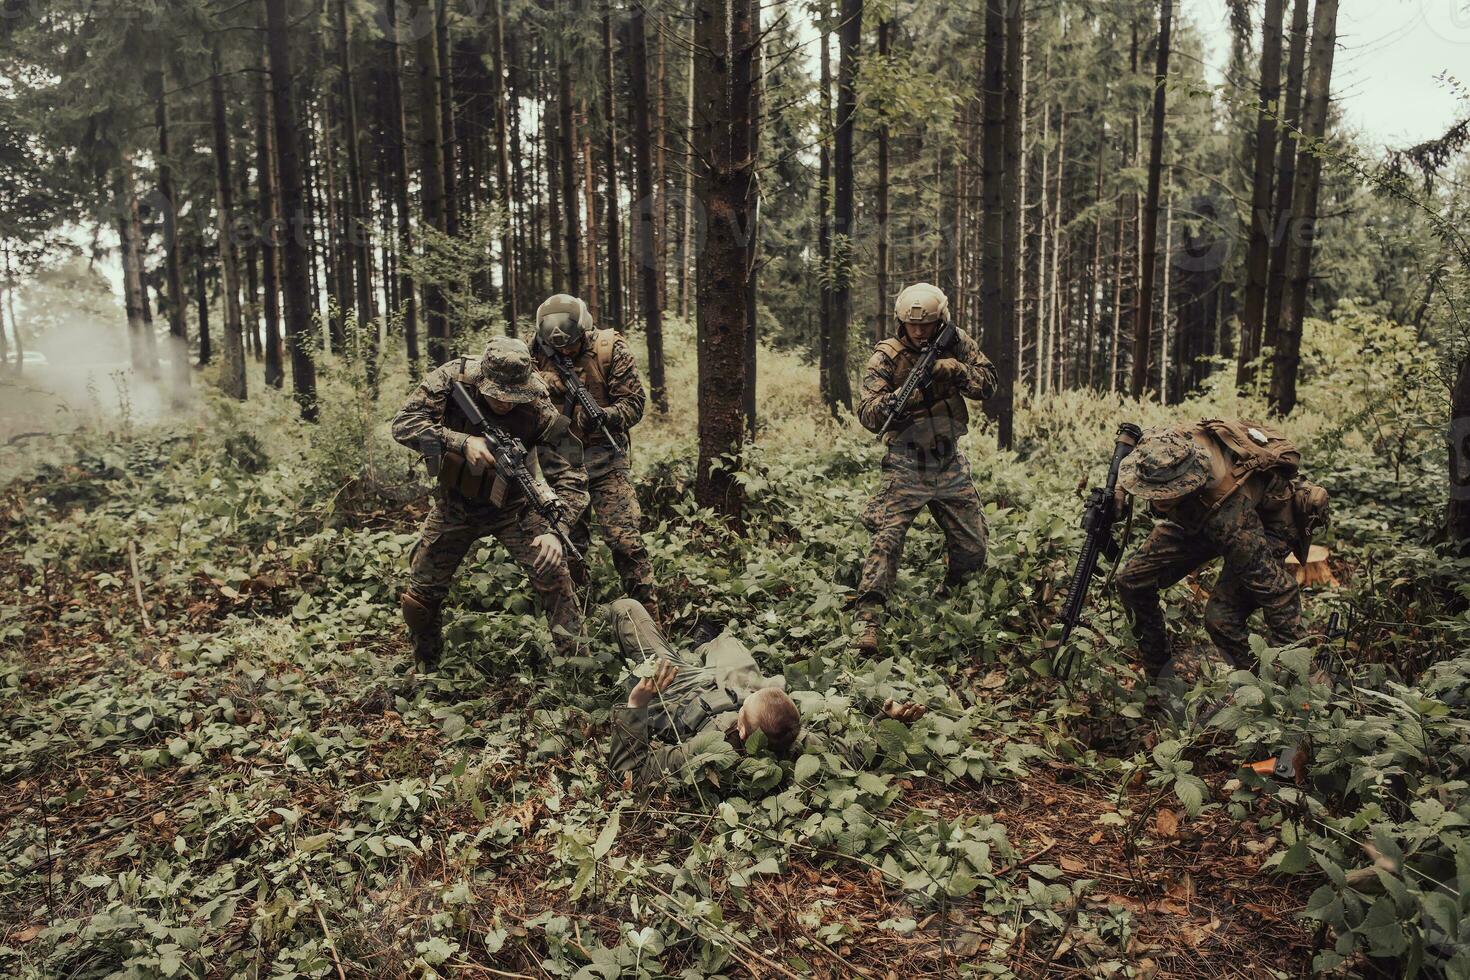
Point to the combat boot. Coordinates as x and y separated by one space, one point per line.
425 629
866 641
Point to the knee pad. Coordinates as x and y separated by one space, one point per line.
420 614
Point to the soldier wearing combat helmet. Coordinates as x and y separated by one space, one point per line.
474 501
1222 489
924 466
599 362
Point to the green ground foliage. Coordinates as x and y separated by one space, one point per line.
214 763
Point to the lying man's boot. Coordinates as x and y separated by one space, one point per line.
425 629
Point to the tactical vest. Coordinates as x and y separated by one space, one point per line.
941 401
690 718
486 486
593 365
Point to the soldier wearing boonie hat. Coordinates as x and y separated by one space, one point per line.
472 501
1220 494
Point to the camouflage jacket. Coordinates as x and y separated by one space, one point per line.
936 417
619 389
421 424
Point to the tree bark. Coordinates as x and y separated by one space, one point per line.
571 212
881 314
849 40
610 161
358 236
724 150
178 335
1458 520
1143 310
1285 177
398 153
686 245
992 174
1287 357
270 245
126 202
201 289
232 367
824 214
643 236
431 182
297 293
752 231
1259 225
448 126
1003 344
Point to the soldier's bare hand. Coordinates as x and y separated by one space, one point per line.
548 552
907 712
477 452
645 690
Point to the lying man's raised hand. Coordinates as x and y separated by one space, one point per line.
643 692
907 712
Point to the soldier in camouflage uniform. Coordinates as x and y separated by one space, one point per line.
473 502
603 365
924 466
1214 502
715 688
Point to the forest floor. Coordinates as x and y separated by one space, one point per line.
215 763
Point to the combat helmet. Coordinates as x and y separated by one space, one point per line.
562 320
921 303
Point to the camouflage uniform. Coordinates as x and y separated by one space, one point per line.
427 423
924 466
614 503
1248 524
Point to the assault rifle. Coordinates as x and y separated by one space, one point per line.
511 459
921 375
1098 518
579 392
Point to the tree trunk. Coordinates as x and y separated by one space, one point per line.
571 213
1008 301
1287 357
1164 299
610 161
642 231
824 214
849 40
1459 510
448 126
724 150
431 182
660 170
1285 177
358 236
992 174
593 278
297 293
1259 225
1143 309
178 335
132 263
881 314
398 150
232 368
686 243
752 230
201 289
270 244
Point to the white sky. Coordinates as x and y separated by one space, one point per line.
1397 65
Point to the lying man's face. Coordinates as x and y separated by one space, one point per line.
770 710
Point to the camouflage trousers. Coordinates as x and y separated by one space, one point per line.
454 526
912 482
1254 577
615 513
